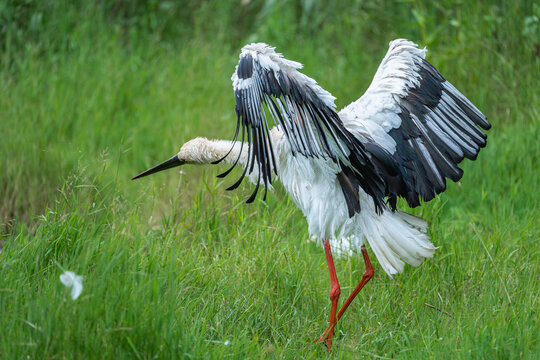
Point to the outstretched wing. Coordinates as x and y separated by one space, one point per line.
416 120
267 85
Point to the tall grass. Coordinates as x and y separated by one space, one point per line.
174 266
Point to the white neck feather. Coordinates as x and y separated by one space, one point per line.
204 151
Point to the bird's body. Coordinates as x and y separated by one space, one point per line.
344 170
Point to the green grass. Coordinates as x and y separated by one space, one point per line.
174 266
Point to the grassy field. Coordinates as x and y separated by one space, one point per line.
174 266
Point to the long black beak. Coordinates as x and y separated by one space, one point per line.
172 162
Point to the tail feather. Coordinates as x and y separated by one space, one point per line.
397 238
389 260
414 221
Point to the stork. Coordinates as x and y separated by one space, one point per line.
345 170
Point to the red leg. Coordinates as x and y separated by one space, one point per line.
368 274
335 291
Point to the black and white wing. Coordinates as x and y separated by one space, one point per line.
268 86
417 126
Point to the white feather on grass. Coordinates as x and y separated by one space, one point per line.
73 281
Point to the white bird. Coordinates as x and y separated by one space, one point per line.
345 169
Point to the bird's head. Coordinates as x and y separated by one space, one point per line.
196 151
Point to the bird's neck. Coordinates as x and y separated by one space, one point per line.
205 151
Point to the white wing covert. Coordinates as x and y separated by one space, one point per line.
413 120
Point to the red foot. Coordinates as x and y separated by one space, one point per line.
326 337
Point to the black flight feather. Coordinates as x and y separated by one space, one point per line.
439 127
